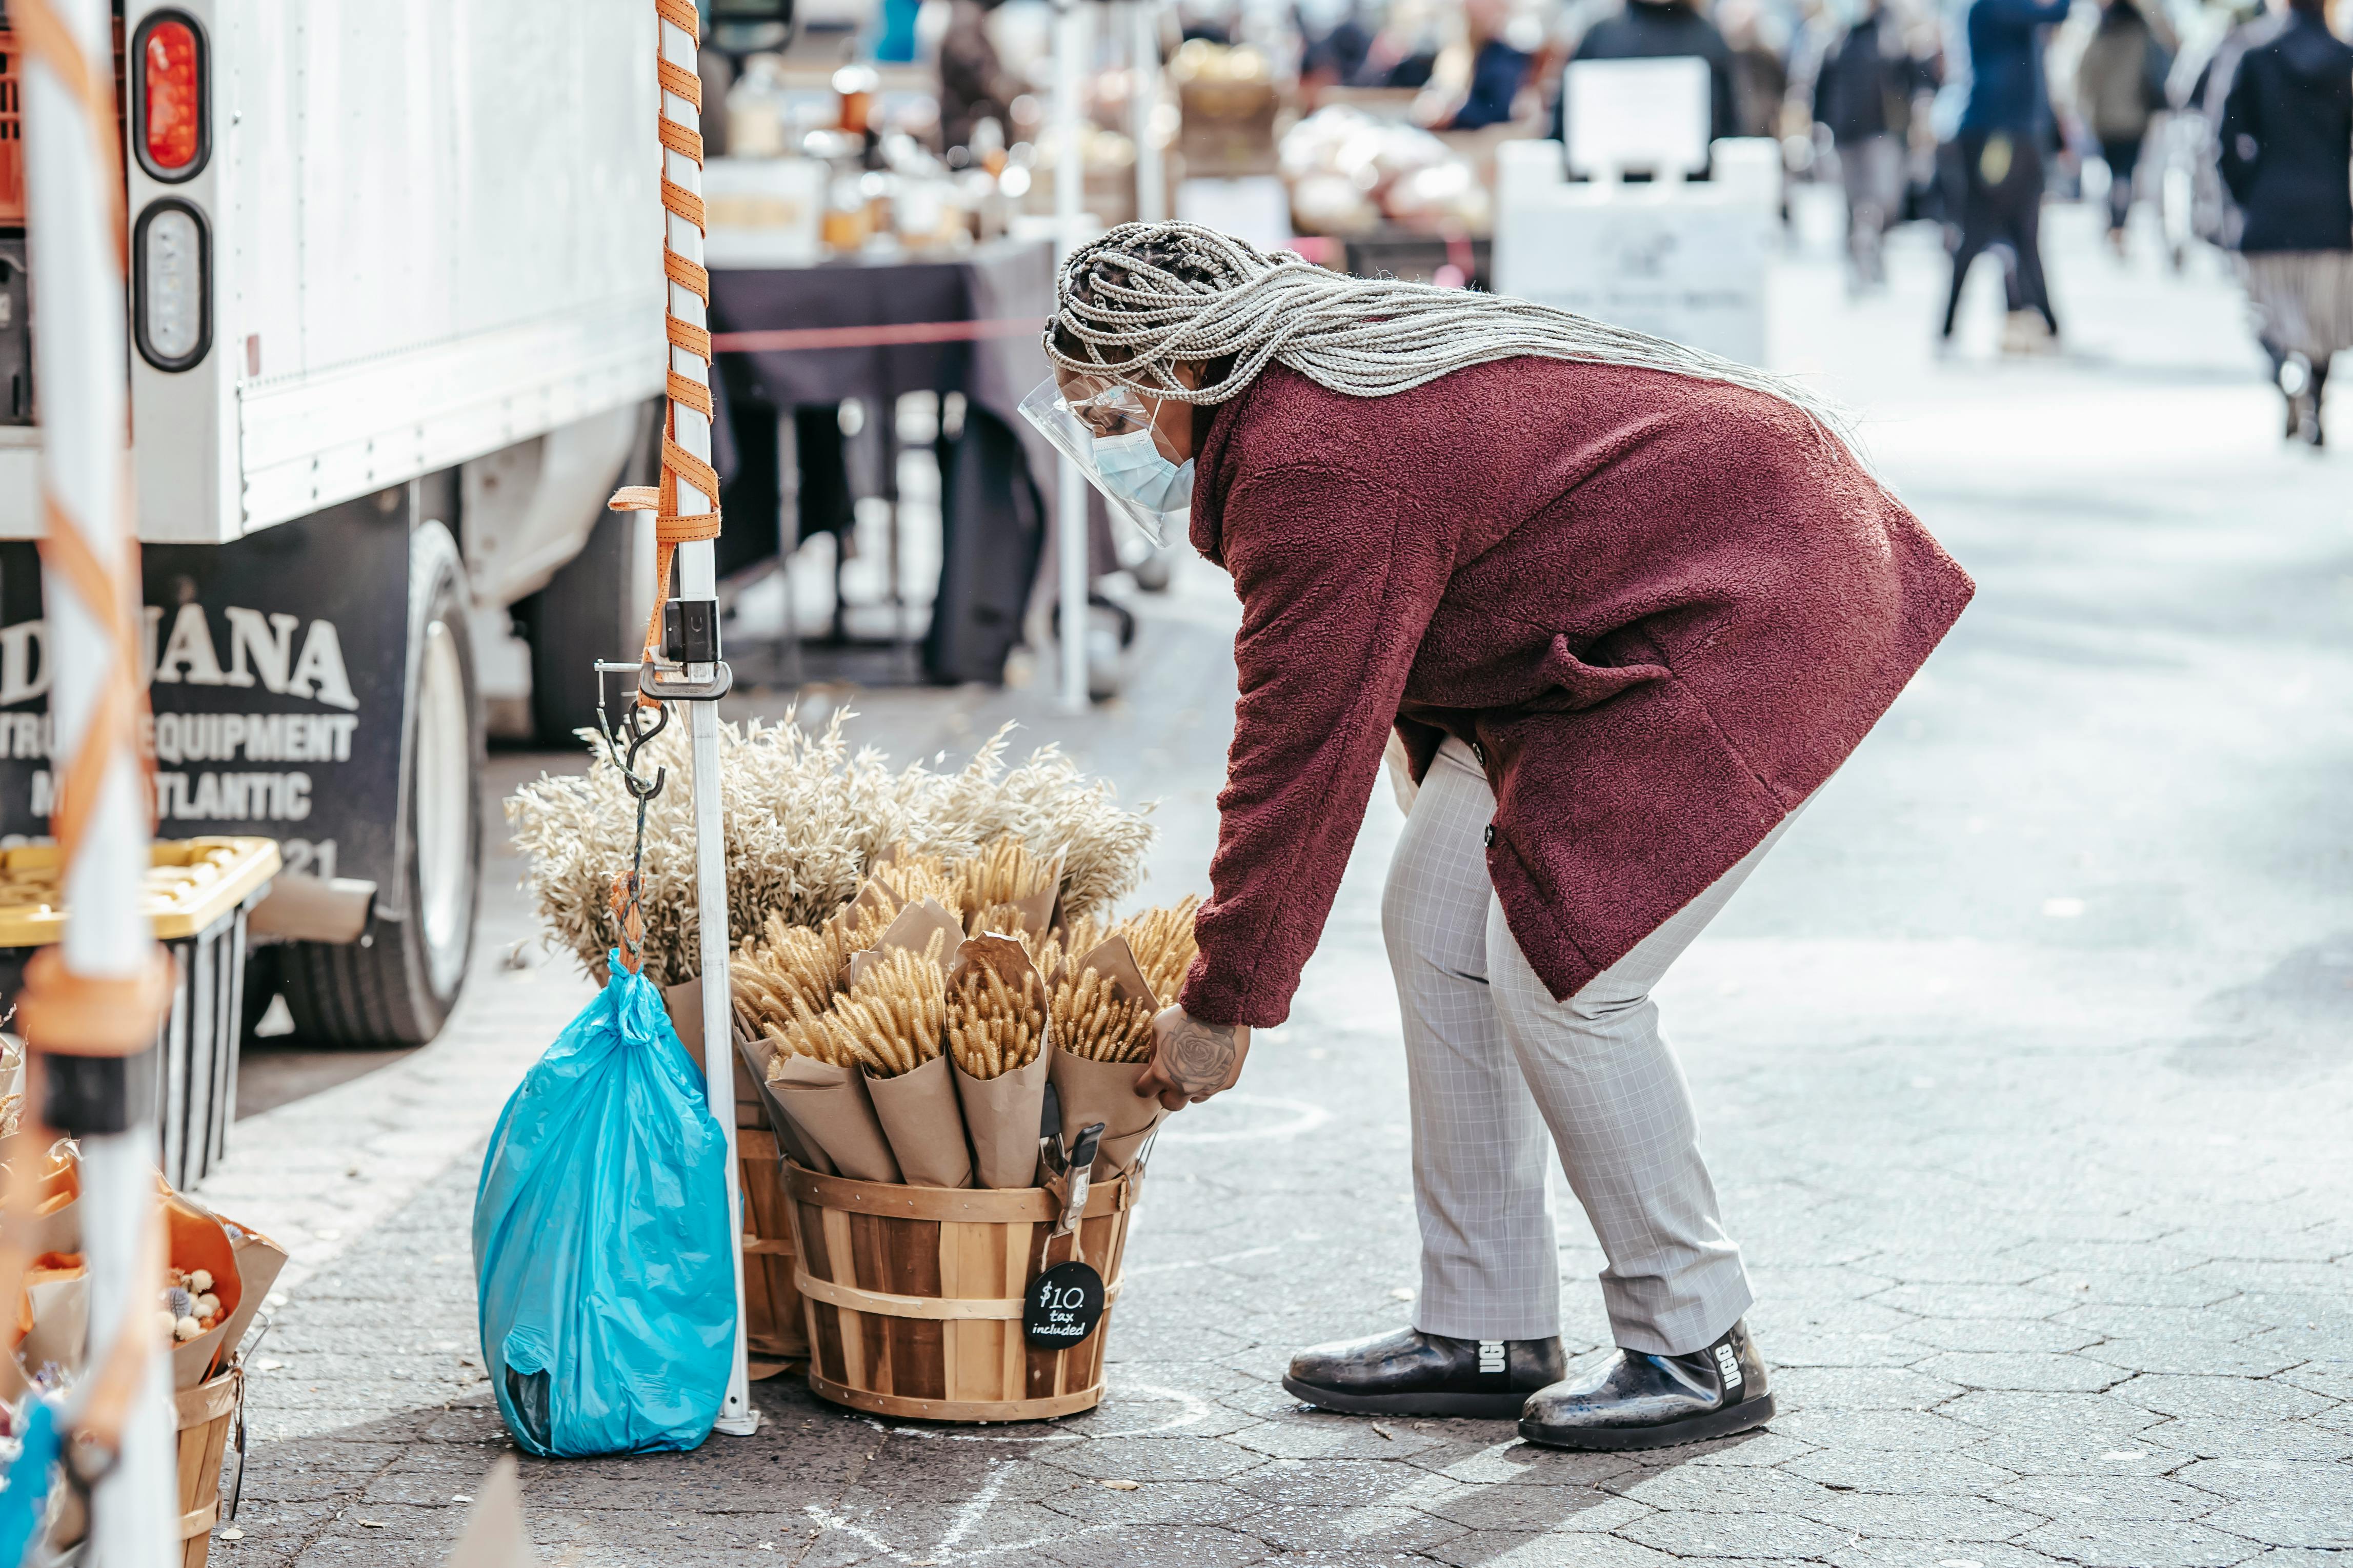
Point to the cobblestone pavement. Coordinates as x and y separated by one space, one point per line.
2022 1065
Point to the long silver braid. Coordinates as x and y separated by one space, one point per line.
1146 296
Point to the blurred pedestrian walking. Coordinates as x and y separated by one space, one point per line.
1665 30
2119 87
1862 94
2288 156
973 83
2003 132
1504 47
1761 68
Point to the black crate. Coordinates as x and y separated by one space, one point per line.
187 1081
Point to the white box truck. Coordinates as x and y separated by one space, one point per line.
396 309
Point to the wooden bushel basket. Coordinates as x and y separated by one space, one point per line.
771 1307
207 1416
914 1295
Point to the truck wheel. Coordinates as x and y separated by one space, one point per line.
397 985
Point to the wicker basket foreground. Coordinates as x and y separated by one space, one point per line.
914 1295
772 1329
206 1414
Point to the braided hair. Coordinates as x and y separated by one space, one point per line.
1132 304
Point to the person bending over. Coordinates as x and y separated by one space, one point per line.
1622 607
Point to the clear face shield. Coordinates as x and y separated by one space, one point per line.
1108 432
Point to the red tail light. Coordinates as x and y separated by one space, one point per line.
171 88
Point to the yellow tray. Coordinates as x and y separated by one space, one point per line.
193 883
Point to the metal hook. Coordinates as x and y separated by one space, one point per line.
638 737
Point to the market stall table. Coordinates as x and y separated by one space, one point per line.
796 343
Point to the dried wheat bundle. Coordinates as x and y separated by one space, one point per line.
911 881
807 1031
896 1013
992 1028
1162 941
1092 1020
1005 872
787 961
1067 945
1048 801
804 820
1001 919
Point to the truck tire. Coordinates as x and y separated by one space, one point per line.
594 608
397 985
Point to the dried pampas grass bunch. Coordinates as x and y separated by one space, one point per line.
804 820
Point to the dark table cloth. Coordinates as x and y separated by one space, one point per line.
996 484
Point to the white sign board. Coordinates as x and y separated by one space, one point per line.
1690 270
763 212
1649 116
1257 209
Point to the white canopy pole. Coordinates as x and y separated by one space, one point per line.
99 992
1071 36
1151 169
697 579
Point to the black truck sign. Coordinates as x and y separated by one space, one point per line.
275 669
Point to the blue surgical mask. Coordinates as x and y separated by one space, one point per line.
1132 466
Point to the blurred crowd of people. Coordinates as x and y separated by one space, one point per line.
2234 119
2224 123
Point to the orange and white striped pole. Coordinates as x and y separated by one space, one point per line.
92 1002
685 505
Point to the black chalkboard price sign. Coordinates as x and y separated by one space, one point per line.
1064 1306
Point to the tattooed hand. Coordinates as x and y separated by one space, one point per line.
1192 1060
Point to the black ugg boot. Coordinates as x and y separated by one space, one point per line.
1638 1401
1408 1372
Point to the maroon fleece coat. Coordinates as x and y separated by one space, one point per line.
1663 610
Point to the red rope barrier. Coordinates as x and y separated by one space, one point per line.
877 336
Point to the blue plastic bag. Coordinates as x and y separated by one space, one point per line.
601 1244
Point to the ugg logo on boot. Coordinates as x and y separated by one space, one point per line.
1491 1355
1728 1364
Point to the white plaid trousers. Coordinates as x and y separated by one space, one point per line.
1494 1063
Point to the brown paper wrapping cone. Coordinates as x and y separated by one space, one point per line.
259 1261
1093 1091
757 1053
828 1106
1001 1115
683 1002
197 1238
912 930
924 1124
60 1324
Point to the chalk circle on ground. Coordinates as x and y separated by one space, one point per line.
1291 1119
1128 1410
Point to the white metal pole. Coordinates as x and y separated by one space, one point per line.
1071 36
134 1512
74 179
697 579
1151 169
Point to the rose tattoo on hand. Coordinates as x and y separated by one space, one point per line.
1192 1060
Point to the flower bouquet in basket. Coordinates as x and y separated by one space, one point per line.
919 955
215 1275
913 1036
